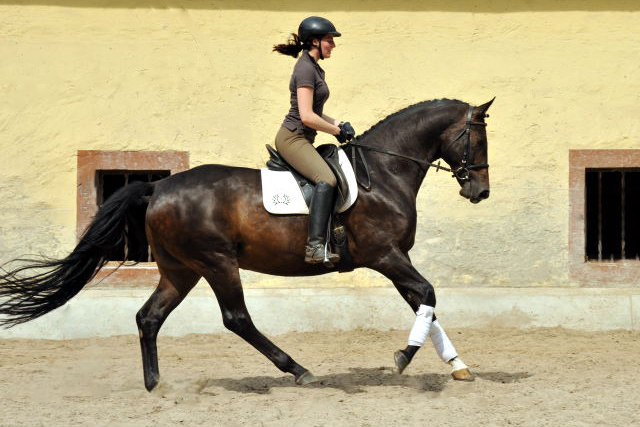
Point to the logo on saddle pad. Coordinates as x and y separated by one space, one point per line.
281 199
281 193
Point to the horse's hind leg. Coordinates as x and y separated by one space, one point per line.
173 287
224 279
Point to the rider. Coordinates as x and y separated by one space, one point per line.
294 140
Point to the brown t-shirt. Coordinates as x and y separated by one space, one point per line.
306 73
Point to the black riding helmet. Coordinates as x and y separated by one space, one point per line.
316 27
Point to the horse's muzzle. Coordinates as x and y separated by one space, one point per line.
474 192
483 195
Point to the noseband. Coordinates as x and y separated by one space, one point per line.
461 172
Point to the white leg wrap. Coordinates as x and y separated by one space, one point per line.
441 342
421 326
457 365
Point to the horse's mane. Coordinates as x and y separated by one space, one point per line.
411 108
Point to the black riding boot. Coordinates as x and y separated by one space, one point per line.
319 212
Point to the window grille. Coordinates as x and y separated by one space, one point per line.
612 214
108 182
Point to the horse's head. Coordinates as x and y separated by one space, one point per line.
465 150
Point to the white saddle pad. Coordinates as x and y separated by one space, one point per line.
281 193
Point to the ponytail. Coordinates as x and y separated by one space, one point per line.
292 48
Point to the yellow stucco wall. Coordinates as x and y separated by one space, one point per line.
200 77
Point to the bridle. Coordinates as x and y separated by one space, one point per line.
461 172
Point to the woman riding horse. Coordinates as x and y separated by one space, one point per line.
309 92
209 222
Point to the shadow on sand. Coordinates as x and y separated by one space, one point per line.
355 380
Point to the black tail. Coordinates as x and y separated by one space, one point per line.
54 282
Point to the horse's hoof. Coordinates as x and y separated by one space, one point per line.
460 371
462 375
151 382
306 378
401 361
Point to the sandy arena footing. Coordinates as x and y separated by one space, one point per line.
534 377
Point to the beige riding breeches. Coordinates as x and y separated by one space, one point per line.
302 155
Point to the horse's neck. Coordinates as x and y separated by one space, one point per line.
396 175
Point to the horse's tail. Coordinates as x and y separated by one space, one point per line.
54 282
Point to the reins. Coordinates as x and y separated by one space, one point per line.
461 173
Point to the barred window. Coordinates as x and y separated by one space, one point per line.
612 214
100 174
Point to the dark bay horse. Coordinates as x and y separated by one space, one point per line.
210 222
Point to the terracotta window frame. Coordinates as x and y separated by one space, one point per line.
620 272
91 161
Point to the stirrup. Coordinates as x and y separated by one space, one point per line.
320 254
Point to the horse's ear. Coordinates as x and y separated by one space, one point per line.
482 109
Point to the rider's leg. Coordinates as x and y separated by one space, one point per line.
304 158
319 213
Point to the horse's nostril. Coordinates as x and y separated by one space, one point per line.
484 194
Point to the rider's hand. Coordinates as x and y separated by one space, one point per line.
347 133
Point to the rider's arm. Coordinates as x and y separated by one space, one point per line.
330 120
311 119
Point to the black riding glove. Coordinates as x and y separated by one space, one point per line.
347 133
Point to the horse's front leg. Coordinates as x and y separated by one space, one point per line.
420 295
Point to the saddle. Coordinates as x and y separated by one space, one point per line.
338 236
329 153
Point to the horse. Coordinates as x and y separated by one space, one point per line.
209 222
